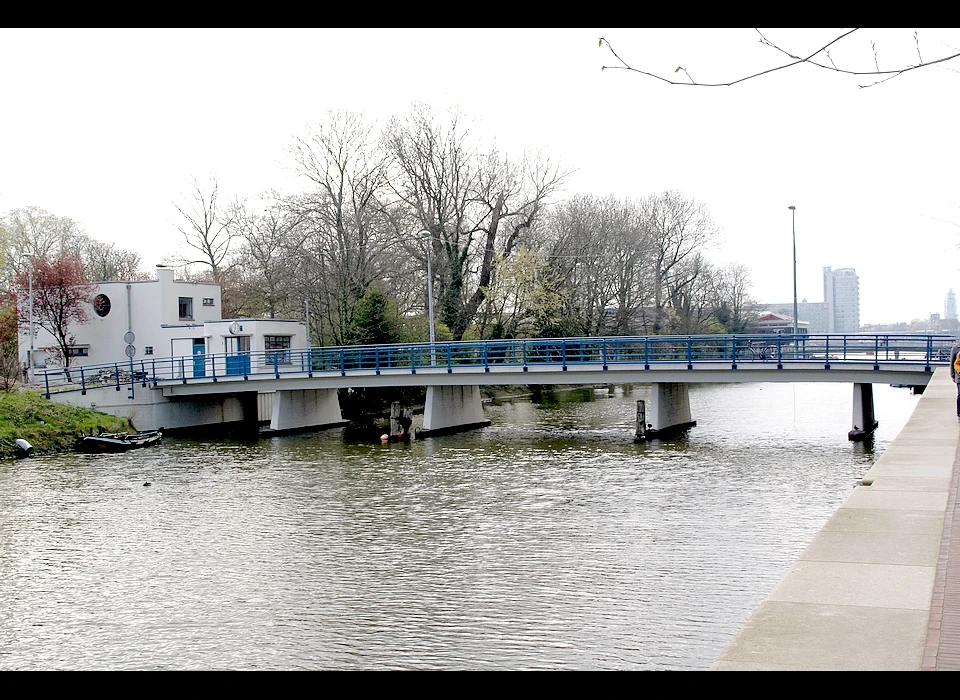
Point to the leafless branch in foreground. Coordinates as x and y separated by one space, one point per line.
795 60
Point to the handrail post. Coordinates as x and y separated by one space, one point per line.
603 351
563 354
524 348
779 353
689 352
646 352
46 380
929 352
826 354
83 382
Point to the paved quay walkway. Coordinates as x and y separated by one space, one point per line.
879 586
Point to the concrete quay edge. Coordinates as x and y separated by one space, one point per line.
877 588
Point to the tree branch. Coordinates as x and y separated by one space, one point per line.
796 61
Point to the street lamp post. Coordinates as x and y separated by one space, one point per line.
31 351
428 237
793 216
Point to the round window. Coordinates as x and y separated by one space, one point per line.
101 305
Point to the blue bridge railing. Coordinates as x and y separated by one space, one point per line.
681 351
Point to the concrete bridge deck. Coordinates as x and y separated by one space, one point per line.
879 586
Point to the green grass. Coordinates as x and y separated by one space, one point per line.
48 426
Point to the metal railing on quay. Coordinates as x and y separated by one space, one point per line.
682 351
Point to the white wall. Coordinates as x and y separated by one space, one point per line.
149 309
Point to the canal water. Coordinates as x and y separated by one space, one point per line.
546 541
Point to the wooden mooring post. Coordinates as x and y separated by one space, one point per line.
400 420
640 434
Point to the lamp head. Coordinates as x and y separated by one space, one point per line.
791 207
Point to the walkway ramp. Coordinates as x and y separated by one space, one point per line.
866 592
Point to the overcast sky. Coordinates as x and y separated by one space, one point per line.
109 127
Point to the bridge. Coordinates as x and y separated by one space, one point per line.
216 388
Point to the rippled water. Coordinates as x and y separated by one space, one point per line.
548 540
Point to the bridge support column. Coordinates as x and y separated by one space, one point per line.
305 408
452 409
669 410
864 420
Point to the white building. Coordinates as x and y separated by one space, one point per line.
841 292
166 318
773 323
950 306
815 314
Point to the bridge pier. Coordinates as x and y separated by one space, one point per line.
298 409
864 419
669 410
452 409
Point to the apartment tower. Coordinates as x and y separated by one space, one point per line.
841 292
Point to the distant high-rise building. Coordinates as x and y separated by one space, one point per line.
841 292
950 306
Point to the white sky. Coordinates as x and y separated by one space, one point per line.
109 127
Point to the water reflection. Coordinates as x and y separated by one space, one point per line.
548 540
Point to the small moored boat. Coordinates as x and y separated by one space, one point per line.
117 442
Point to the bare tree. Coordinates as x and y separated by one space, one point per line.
602 251
268 255
796 59
346 230
206 228
515 200
678 227
105 262
35 233
733 307
475 204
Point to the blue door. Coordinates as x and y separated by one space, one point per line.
199 349
238 355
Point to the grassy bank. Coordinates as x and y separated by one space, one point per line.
48 426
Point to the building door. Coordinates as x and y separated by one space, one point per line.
199 350
238 355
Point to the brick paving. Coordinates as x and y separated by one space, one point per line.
942 651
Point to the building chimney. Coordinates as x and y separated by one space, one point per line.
164 274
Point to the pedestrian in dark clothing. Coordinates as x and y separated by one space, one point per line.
955 371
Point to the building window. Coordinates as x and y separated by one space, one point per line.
208 301
186 308
78 351
280 345
148 350
101 305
